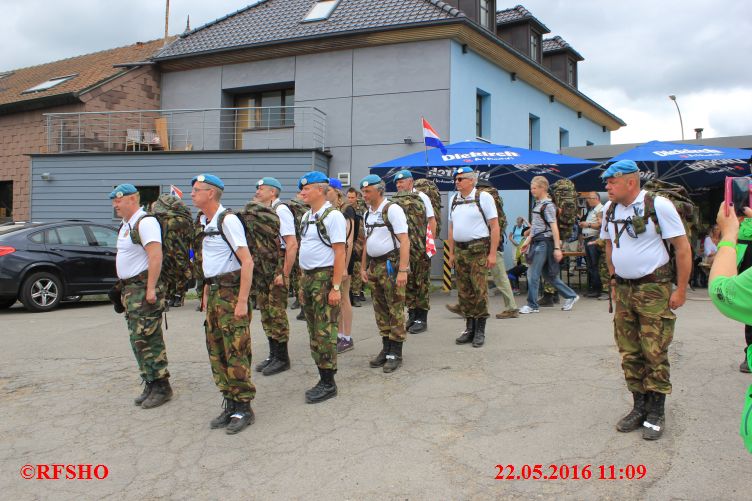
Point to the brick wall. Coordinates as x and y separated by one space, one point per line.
23 133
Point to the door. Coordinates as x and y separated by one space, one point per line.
104 248
73 253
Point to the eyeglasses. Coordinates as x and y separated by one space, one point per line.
458 179
201 189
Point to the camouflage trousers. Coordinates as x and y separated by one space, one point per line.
272 302
471 272
388 300
356 284
295 279
322 318
145 328
643 330
603 272
417 292
228 341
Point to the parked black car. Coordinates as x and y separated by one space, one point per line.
42 264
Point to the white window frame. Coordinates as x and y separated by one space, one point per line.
321 11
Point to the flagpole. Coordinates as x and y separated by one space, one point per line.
425 148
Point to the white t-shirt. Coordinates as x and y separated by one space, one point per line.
467 223
426 202
286 221
708 247
313 252
637 257
131 258
217 256
592 218
379 242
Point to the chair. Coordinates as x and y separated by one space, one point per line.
133 138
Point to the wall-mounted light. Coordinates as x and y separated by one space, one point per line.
579 114
464 48
46 176
513 76
604 128
408 140
551 98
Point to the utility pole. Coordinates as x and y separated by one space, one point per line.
681 124
167 20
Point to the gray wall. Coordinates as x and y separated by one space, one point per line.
373 97
79 184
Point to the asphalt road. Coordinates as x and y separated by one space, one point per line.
546 389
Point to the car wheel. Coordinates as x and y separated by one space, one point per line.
41 291
7 303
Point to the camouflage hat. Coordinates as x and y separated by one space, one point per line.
403 174
369 180
208 179
313 177
123 190
269 181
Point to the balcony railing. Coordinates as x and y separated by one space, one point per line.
277 127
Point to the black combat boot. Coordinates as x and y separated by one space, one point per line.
325 389
295 304
144 394
268 360
301 315
652 427
394 358
161 392
469 332
177 301
420 324
241 418
411 313
380 359
280 362
633 420
223 419
480 332
354 300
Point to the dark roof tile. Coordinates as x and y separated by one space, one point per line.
518 14
558 44
271 21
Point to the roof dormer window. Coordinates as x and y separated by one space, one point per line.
52 82
321 10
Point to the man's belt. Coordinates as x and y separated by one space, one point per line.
316 270
141 277
230 279
466 245
647 279
393 255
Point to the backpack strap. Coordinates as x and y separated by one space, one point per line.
135 235
221 232
475 200
387 223
320 226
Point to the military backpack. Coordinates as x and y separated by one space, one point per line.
564 196
430 189
487 188
417 224
176 229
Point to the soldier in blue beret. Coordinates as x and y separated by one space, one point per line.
273 303
228 272
323 233
637 228
417 291
139 263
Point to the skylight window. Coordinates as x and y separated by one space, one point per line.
52 82
321 10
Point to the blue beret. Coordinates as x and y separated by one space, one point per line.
269 181
403 174
123 190
463 170
335 183
370 180
313 177
620 168
208 179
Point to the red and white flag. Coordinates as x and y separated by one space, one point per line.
174 190
430 244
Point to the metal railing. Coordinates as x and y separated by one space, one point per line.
273 127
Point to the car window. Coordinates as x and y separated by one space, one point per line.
51 236
72 235
105 237
37 238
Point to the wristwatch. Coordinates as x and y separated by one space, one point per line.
404 270
335 287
